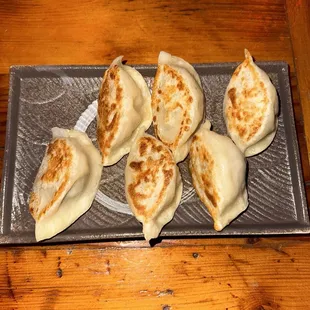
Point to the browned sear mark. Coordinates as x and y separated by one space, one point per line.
180 85
136 165
232 97
202 170
59 156
146 174
142 148
244 113
109 107
164 100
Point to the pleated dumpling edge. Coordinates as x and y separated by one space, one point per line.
153 184
66 182
124 110
251 108
177 103
218 170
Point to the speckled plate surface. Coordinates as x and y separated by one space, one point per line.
42 97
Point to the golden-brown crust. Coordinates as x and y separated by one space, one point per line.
203 179
164 97
244 114
235 74
34 203
156 160
59 161
56 196
109 106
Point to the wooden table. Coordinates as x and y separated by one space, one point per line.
210 273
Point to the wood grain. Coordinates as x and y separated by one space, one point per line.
298 13
4 90
183 277
220 273
300 129
1 162
95 32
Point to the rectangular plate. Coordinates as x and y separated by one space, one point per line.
42 97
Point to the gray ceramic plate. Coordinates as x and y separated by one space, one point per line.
42 97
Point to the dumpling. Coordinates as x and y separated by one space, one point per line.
66 183
218 170
251 108
124 111
177 104
153 184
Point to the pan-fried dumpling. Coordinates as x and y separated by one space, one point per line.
153 184
218 170
66 183
124 111
177 103
251 108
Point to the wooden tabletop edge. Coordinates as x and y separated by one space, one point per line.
298 14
